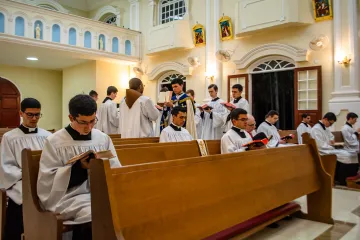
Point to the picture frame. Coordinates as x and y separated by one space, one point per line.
199 35
225 28
322 10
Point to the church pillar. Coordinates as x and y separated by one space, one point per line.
134 15
217 43
152 12
208 49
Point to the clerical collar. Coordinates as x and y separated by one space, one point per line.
268 123
176 128
349 124
305 124
236 100
107 98
239 131
27 130
76 135
178 96
215 99
322 125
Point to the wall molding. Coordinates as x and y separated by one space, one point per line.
168 67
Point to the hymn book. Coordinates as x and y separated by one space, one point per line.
205 107
165 97
91 154
225 104
288 137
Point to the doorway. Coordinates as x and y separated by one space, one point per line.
9 104
274 91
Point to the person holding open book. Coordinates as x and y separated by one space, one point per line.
63 186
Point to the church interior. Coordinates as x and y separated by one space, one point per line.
293 56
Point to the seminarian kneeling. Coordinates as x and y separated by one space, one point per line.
63 188
175 132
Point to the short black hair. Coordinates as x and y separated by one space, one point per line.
191 92
177 81
82 105
175 111
330 116
239 87
304 115
213 86
93 93
351 115
29 103
236 112
135 83
272 113
111 90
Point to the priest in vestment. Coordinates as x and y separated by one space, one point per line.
213 125
64 189
304 126
347 162
350 134
137 112
175 132
27 135
108 117
237 136
197 117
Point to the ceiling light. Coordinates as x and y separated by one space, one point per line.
32 58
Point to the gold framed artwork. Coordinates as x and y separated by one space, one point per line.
322 10
225 28
199 35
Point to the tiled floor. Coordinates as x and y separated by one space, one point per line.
346 213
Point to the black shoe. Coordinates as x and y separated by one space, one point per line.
273 225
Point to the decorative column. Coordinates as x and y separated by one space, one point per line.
208 49
152 12
134 15
217 43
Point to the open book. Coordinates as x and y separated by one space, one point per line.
288 137
259 140
205 107
225 104
165 96
91 154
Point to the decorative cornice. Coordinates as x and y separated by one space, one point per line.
297 54
169 66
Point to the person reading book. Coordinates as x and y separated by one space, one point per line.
237 137
304 126
351 134
259 141
64 188
251 125
239 101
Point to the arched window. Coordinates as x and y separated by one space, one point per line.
47 6
56 33
115 45
39 24
110 19
2 23
72 36
127 47
20 27
171 10
102 45
165 81
87 39
273 65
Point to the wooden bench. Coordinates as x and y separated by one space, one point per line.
206 197
3 206
284 133
38 224
115 136
338 136
122 141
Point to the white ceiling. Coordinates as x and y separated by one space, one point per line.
85 5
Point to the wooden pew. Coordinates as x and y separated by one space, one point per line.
284 133
3 205
338 136
205 197
38 224
115 136
121 141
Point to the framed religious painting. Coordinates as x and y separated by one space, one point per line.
322 10
199 35
225 28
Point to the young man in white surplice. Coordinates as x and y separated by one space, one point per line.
137 112
350 134
304 126
27 135
213 116
62 188
347 162
197 117
108 114
175 132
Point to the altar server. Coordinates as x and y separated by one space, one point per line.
27 135
213 116
197 117
137 112
239 101
347 163
108 113
351 135
175 132
270 129
304 126
64 189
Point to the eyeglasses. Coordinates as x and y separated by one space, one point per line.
92 122
243 119
31 115
331 123
251 125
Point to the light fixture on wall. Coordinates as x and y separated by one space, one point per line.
209 76
345 61
32 58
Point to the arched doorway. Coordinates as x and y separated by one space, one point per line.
9 104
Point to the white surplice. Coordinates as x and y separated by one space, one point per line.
241 103
213 123
302 128
74 204
137 121
323 136
12 144
170 135
108 118
351 140
271 130
198 121
232 141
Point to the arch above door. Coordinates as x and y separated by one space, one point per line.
167 67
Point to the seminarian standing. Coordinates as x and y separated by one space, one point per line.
268 127
137 112
304 126
239 101
175 132
108 114
350 134
213 117
27 135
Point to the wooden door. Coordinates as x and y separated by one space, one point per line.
308 93
242 79
9 104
